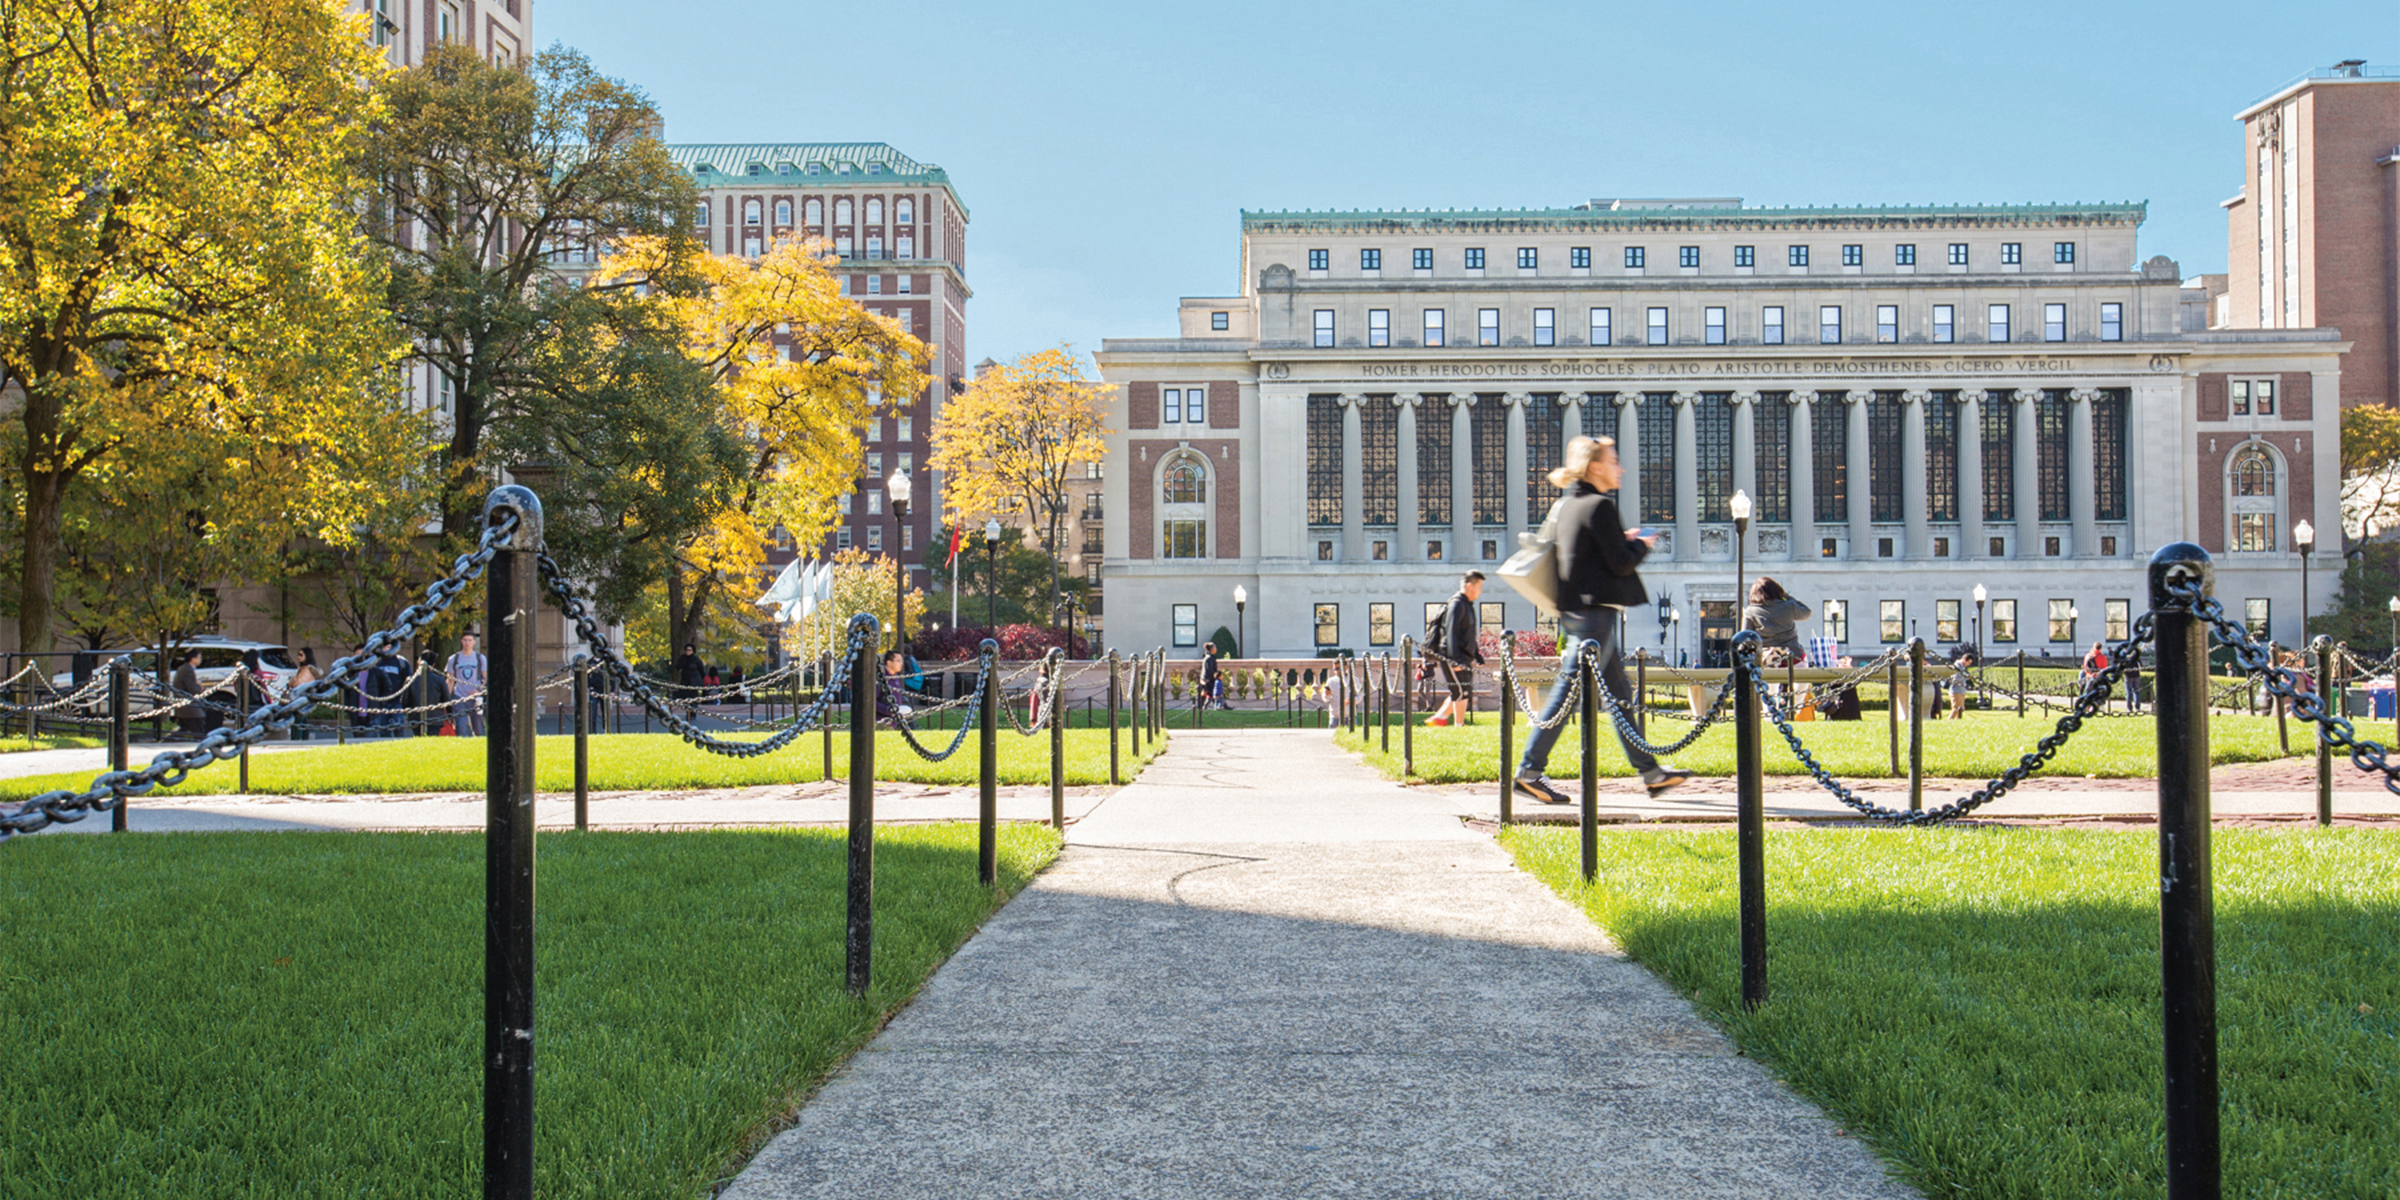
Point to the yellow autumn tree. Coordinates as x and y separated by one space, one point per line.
1009 445
798 369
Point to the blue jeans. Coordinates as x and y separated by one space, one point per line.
1597 625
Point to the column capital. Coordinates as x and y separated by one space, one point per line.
1516 399
2083 395
1743 399
1351 400
1683 399
1915 398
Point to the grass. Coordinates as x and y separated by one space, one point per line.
624 762
234 1015
49 741
1979 747
1179 716
1983 1005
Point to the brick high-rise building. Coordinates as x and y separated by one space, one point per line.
2313 239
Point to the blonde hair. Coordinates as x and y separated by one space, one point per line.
1580 453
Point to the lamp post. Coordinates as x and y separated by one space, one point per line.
1740 507
898 487
1675 622
1241 624
1666 608
1979 598
2395 606
2305 537
2074 625
991 574
1066 601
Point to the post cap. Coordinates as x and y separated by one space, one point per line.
2175 563
1747 637
518 499
2320 644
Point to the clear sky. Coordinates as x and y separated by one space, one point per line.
1105 150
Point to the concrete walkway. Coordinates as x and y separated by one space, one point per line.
1265 971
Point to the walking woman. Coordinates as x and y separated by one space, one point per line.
1599 577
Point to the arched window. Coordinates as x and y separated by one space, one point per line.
1186 483
783 212
815 209
875 212
841 211
2254 508
701 214
750 212
904 211
2253 472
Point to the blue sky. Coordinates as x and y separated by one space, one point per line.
1105 150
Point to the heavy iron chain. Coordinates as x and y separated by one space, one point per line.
1525 704
1625 726
2284 683
1046 693
630 682
987 657
111 788
2122 657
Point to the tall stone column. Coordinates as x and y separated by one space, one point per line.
1970 473
1913 469
1412 541
2029 476
1629 455
1745 444
1862 476
1463 543
1514 496
1354 533
2082 499
1687 479
1804 475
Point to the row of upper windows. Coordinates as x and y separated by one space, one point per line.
1942 326
812 211
1637 258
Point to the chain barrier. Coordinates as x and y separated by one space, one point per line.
111 788
97 687
2284 684
1045 694
986 657
2122 657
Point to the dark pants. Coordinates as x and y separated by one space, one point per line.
1598 625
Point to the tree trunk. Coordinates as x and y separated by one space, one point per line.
45 500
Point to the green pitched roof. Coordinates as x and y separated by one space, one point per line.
822 162
1289 220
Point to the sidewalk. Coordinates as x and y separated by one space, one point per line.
1263 970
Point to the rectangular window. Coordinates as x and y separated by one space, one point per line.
1488 424
1379 327
908 537
1324 460
1837 621
1745 256
2253 532
1545 327
1379 462
1635 256
1688 257
2054 322
1329 624
1601 335
2240 390
1941 457
2264 393
841 503
1379 624
1475 259
875 539
1884 468
1421 259
2255 615
1796 255
1713 326
1320 260
1170 406
875 466
1999 457
1658 327
1433 464
1487 327
2011 253
1187 539
2112 322
2062 252
841 539
1712 454
1433 327
1904 256
1656 421
2062 620
2050 426
906 427
1891 620
1945 621
1370 260
2108 454
1958 254
1770 325
1772 427
1945 323
1829 324
1187 624
2004 620
1528 258
1491 616
1995 323
1545 442
2117 617
1854 256
1324 328
1887 322
1580 258
1829 444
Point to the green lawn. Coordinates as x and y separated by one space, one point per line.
1979 747
49 741
1983 1004
626 762
233 1015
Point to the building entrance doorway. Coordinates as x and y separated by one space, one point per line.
1716 633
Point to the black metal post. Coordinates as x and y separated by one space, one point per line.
241 701
1408 706
1587 662
1508 720
1383 689
1158 699
1641 691
2330 694
1115 774
583 742
120 733
1134 723
1058 740
512 599
825 721
2020 682
2283 708
1916 724
859 944
1750 820
2186 908
987 768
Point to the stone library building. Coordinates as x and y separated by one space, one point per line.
1919 401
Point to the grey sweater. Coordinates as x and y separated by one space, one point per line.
1777 623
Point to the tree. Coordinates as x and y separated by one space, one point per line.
862 582
1024 594
179 249
2370 469
1010 443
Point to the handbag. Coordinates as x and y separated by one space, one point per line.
1533 569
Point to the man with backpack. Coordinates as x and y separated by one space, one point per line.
1451 645
466 672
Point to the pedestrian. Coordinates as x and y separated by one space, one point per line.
466 672
890 706
387 679
1453 648
192 718
302 676
690 676
1212 681
2094 662
1776 616
1962 681
1599 576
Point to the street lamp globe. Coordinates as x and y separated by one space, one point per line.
1980 594
2304 536
898 485
1739 505
2395 606
991 531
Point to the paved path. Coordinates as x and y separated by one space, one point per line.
1265 971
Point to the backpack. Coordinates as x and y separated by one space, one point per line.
1437 631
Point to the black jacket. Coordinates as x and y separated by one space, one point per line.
1597 564
1461 632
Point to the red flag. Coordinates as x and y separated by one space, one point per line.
956 538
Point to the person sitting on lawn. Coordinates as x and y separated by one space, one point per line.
891 706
